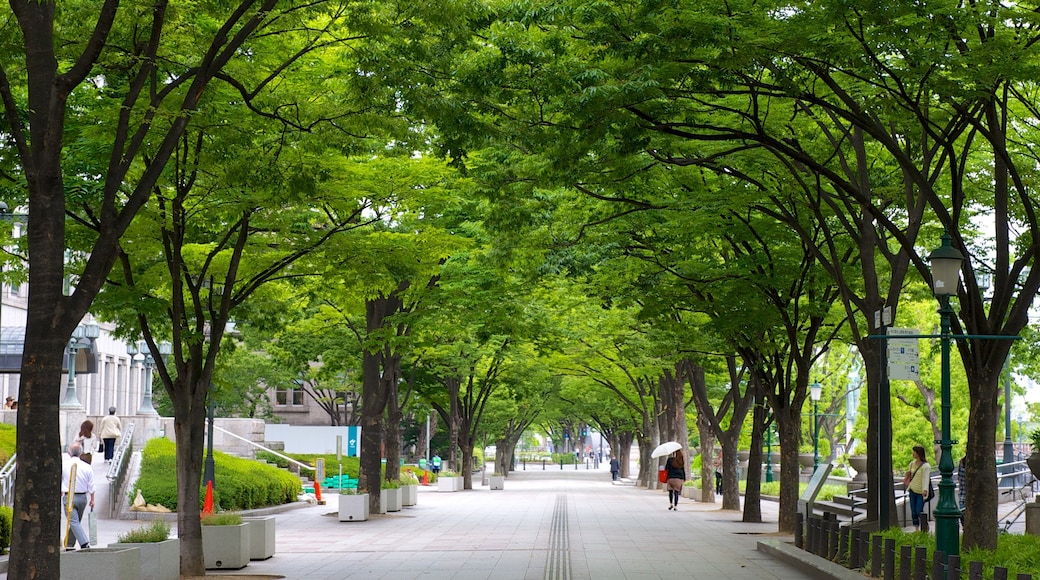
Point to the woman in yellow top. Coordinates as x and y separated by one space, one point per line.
916 483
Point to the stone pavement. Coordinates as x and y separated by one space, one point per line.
545 524
551 524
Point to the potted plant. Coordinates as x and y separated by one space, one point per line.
225 541
497 481
122 563
409 489
1033 461
160 554
446 481
261 537
353 505
391 495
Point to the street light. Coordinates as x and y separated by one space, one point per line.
769 448
815 391
946 264
82 336
141 349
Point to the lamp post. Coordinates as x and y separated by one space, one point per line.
769 449
141 348
815 391
207 473
82 336
946 264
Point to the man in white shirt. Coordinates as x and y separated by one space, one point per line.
82 487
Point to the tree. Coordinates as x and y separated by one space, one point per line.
136 73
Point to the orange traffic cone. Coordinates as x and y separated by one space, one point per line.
425 477
207 506
317 493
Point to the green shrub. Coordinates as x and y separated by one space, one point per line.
1019 553
6 521
222 519
7 442
351 465
157 531
241 483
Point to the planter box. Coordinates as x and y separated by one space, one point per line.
458 483
353 508
159 560
409 495
393 499
382 501
689 491
497 481
226 547
445 484
261 537
122 563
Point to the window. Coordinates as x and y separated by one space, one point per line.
289 396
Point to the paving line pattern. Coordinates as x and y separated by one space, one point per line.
558 562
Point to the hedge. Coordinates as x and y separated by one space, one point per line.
239 483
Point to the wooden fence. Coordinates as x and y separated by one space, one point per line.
853 548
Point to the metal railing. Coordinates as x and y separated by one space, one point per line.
117 470
7 481
261 447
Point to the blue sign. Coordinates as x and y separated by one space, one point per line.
354 441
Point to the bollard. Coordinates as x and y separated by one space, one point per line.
875 555
905 562
938 564
920 563
799 531
832 548
543 465
890 559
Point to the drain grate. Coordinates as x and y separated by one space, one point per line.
558 564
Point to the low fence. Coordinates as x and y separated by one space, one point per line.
855 549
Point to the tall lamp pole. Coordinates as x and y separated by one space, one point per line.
815 391
82 336
769 449
207 470
946 264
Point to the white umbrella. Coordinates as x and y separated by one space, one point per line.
665 449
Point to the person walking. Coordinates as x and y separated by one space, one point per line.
88 441
81 487
615 467
916 483
675 470
111 428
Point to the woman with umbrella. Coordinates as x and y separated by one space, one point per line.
676 471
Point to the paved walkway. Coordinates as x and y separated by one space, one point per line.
581 522
546 524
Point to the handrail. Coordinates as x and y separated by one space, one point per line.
125 443
118 468
258 446
7 481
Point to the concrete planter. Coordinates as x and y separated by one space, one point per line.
261 537
159 560
122 563
393 499
382 501
353 508
497 481
409 495
459 486
226 547
446 484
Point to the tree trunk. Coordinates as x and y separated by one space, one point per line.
730 477
624 452
190 430
789 431
753 489
36 529
707 437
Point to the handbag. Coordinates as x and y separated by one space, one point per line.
931 492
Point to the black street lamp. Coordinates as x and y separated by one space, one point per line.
946 264
207 473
